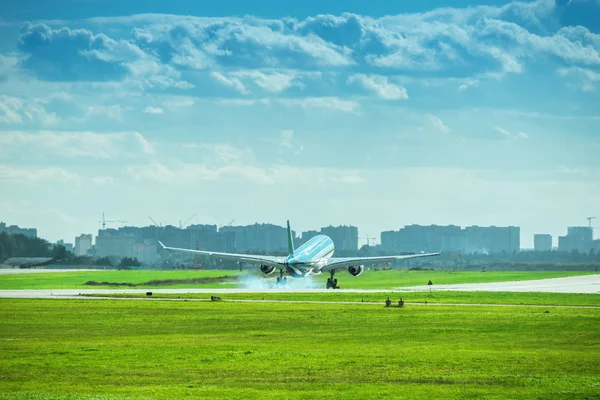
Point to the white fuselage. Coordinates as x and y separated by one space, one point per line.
310 257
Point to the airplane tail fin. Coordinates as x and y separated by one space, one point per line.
290 240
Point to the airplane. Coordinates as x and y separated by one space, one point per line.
30 262
312 258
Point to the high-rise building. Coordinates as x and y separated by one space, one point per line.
67 246
197 236
415 238
306 236
580 238
227 242
203 237
15 230
343 237
542 242
389 241
259 237
119 246
146 253
83 243
492 239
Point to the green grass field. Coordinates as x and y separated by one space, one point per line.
441 297
105 349
368 280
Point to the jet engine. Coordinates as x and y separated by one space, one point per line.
356 270
267 270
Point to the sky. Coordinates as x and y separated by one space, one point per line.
377 114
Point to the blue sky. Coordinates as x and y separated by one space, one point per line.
367 113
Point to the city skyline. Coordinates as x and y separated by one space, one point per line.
374 114
352 238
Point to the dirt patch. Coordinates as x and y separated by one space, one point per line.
166 282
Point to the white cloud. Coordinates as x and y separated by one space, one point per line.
19 111
233 82
154 171
509 63
502 131
235 173
148 73
381 86
469 83
226 154
529 44
287 143
221 153
195 172
438 124
274 82
10 110
153 110
190 56
9 64
587 78
568 170
244 102
352 179
323 102
176 102
103 180
114 112
73 144
453 39
286 138
228 164
251 38
510 135
37 175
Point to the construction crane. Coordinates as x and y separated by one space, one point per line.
104 221
590 221
229 224
154 222
186 222
368 240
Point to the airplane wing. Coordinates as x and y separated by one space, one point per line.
277 262
336 263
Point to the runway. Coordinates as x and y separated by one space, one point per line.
12 271
70 295
589 284
75 293
572 284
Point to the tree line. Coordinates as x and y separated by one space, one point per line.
23 246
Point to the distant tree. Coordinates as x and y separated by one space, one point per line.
103 261
23 246
127 262
78 260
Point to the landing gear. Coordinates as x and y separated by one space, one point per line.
281 280
332 282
